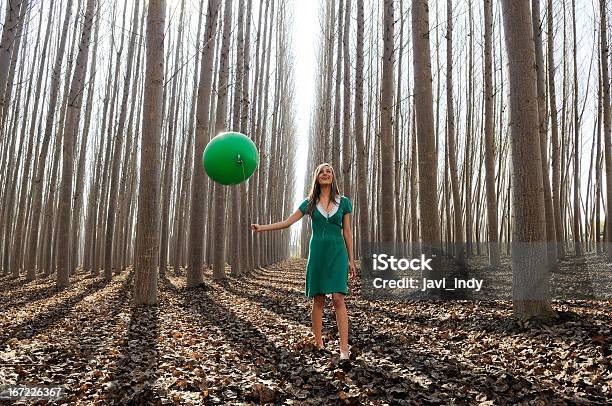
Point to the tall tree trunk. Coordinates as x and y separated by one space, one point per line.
576 232
187 166
362 151
598 181
347 159
262 127
607 126
564 137
148 225
237 250
386 127
30 257
70 133
244 122
168 165
21 204
15 10
105 205
50 211
494 256
39 170
397 132
335 135
77 217
109 265
129 167
62 120
530 275
556 176
329 46
10 167
255 110
469 135
199 185
423 97
450 134
15 202
542 115
220 125
102 187
414 191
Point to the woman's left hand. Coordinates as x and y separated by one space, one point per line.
351 269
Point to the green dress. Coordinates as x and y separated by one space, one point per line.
327 268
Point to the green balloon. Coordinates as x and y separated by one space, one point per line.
230 158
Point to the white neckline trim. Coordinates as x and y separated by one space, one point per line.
332 211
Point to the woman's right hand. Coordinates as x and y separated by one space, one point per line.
257 228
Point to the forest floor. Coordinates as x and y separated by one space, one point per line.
247 340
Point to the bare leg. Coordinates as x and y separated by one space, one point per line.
317 319
342 321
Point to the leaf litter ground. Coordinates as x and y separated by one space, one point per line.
247 340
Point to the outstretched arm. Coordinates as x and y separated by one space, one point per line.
280 225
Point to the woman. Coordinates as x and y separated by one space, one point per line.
330 258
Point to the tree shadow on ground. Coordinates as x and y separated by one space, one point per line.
8 282
138 360
77 345
43 320
20 298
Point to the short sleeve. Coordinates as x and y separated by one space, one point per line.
303 206
348 206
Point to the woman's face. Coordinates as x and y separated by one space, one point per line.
326 176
